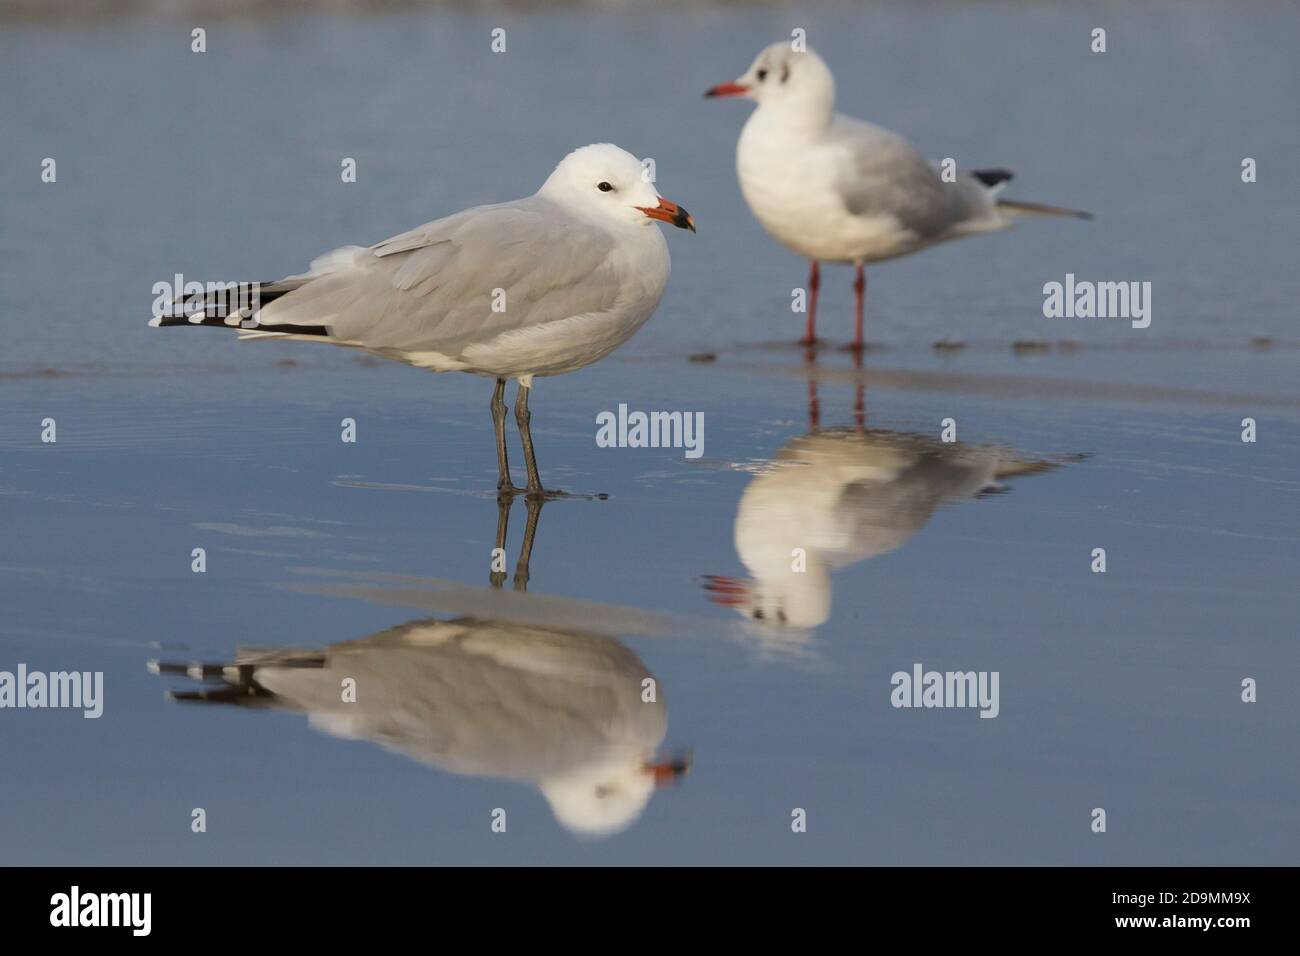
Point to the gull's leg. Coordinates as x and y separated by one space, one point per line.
814 405
814 283
860 396
860 291
522 419
504 503
535 490
534 506
499 426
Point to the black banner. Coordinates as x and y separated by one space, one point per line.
1173 905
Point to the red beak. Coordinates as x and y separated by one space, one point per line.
729 592
670 212
728 89
667 772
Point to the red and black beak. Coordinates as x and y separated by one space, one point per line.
729 592
670 212
664 773
728 89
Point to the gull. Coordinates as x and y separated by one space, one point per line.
523 289
558 709
831 187
843 496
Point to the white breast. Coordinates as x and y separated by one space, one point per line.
790 185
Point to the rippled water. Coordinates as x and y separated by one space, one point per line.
485 686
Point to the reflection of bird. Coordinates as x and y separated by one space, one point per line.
842 497
561 710
831 187
537 286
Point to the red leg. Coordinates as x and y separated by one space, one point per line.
860 289
814 406
860 394
814 283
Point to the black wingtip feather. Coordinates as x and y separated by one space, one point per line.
991 177
219 322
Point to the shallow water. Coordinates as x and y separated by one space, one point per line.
1118 690
230 169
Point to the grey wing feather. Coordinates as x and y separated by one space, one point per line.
434 287
884 175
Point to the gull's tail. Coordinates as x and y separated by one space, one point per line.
236 323
222 309
235 683
1014 467
995 179
1039 209
1018 467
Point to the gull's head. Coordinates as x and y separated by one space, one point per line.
608 183
789 601
787 78
602 800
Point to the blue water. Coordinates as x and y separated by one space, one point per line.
1119 690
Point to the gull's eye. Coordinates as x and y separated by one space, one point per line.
604 187
762 75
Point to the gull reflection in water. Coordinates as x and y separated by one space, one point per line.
575 714
835 497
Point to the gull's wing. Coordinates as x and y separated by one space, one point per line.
882 174
478 696
434 288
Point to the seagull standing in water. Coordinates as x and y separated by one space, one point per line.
831 187
556 708
538 286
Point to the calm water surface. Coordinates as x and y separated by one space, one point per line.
374 560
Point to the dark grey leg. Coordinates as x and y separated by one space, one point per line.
534 506
499 426
522 418
504 502
535 489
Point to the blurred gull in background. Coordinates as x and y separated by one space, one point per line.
831 187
